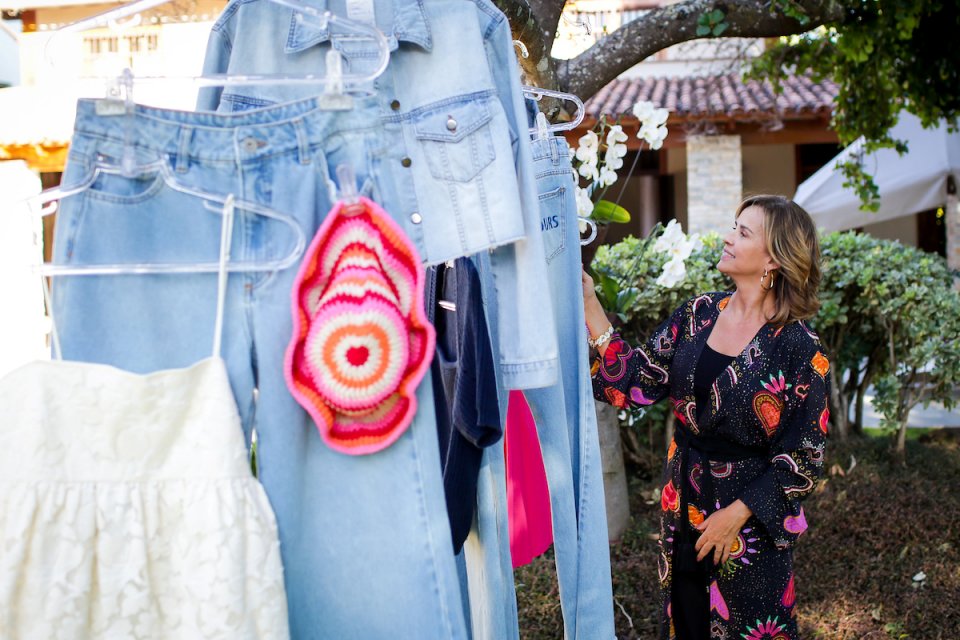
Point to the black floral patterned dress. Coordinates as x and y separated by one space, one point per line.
760 440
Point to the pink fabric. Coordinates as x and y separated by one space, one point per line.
528 497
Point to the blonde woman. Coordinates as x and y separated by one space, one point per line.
749 387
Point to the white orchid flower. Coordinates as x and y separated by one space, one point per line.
643 110
612 162
683 249
659 117
582 225
587 155
607 177
584 204
654 135
616 149
696 241
589 169
615 135
589 140
671 236
674 272
613 158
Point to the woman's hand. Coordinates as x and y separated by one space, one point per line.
719 531
589 290
593 312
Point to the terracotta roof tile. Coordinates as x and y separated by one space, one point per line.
721 96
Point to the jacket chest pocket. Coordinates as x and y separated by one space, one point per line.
456 140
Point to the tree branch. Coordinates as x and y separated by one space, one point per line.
537 67
672 24
548 14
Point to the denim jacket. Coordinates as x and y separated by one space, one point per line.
456 168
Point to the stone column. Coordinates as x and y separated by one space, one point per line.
952 218
615 490
714 182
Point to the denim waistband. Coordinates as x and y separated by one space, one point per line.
226 137
555 148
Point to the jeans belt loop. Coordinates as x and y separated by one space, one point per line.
182 162
302 141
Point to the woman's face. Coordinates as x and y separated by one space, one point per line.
744 248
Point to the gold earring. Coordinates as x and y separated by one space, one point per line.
764 277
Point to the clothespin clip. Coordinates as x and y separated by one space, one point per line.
335 98
119 101
543 127
349 194
446 304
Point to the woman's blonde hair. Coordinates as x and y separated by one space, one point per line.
792 242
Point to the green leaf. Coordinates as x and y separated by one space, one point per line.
720 28
606 211
609 287
703 30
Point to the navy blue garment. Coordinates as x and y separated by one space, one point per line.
464 387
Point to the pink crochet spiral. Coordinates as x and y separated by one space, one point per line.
361 342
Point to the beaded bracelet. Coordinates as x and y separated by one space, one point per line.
600 339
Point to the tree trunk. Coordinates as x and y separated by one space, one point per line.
862 390
616 495
668 427
900 450
905 401
839 409
850 393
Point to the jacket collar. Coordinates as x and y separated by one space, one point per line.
409 25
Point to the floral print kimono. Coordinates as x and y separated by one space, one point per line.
770 405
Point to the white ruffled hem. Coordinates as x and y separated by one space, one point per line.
171 559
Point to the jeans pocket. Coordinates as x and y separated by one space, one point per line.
456 140
123 190
553 222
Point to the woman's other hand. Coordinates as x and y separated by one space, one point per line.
719 531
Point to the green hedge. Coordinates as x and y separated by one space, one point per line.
889 317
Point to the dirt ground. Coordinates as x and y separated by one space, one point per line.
874 528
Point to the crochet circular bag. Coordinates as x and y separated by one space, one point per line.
361 341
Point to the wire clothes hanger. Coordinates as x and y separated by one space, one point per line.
222 204
303 13
120 102
543 128
543 131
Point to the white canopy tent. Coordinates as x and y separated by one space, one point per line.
914 182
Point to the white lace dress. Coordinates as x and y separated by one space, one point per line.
128 509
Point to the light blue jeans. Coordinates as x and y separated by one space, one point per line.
365 539
564 413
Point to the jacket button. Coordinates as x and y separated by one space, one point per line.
395 105
416 218
451 124
406 162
